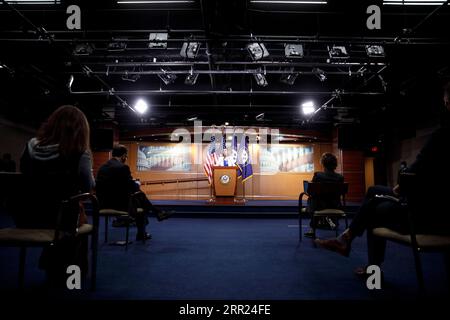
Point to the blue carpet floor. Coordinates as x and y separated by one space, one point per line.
233 258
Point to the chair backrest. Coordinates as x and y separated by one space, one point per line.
328 194
326 188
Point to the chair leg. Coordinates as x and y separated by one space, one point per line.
346 222
300 227
314 225
22 260
447 267
106 229
336 229
94 244
419 272
127 235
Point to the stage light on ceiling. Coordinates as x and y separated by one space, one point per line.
70 82
338 52
257 50
375 51
320 74
289 78
308 108
130 77
141 106
166 77
190 49
83 49
157 40
117 45
192 118
260 79
191 79
293 50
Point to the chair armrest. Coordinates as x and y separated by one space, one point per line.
300 201
387 197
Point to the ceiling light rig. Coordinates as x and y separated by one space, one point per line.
257 51
117 45
83 49
293 50
338 52
191 79
167 77
157 40
190 49
141 106
290 77
320 74
375 51
260 80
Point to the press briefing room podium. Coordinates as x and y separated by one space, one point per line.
225 183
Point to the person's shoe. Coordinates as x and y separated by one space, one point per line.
145 236
336 245
163 215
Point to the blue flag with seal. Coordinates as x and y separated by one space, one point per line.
244 161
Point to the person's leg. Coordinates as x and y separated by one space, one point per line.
141 217
362 218
376 212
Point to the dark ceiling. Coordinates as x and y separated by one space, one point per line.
37 52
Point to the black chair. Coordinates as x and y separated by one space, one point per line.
417 242
314 191
13 185
125 215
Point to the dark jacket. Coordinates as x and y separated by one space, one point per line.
51 178
432 191
325 202
114 185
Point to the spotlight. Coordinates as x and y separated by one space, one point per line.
117 45
167 78
192 118
289 78
141 106
320 74
257 50
260 79
83 49
190 49
375 51
308 108
159 37
293 50
191 79
338 52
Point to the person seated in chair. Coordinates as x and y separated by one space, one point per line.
114 185
58 165
388 213
329 174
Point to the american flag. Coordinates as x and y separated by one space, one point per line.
211 159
